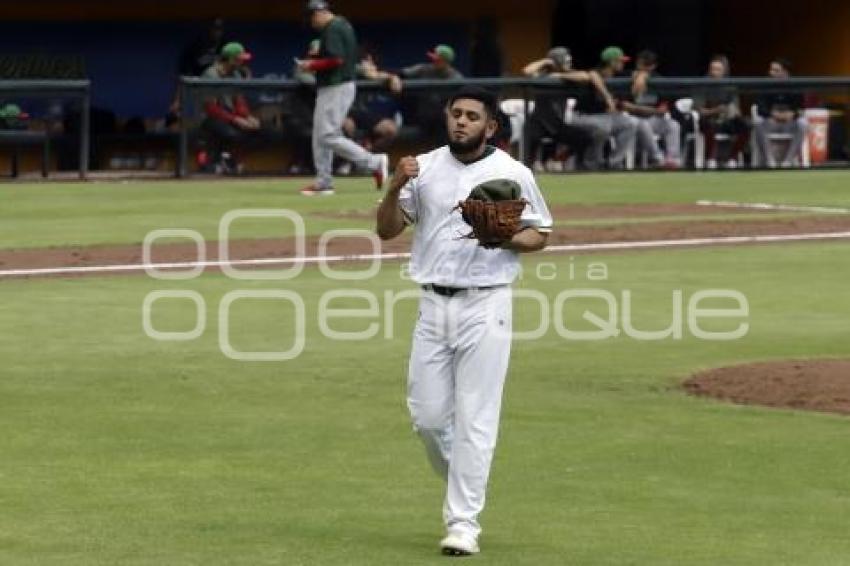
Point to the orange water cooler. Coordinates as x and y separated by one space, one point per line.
818 119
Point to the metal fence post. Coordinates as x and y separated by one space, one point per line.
183 141
85 131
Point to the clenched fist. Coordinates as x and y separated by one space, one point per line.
407 168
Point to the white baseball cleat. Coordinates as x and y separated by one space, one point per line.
458 543
315 190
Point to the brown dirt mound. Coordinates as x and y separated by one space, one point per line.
812 385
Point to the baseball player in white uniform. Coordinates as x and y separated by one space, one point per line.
462 341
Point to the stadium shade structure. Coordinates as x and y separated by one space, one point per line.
519 87
73 89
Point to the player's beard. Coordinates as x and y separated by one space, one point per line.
468 146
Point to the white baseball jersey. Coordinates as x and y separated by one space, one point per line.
440 253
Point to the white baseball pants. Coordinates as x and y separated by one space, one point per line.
458 364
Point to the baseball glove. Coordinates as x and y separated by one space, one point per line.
493 211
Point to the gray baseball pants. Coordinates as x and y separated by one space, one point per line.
332 106
601 127
795 128
667 129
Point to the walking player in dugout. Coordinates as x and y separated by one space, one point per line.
336 71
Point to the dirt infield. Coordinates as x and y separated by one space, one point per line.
180 252
266 248
667 228
814 385
595 211
642 210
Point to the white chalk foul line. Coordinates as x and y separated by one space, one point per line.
395 256
699 242
209 263
769 206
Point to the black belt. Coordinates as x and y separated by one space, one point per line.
452 291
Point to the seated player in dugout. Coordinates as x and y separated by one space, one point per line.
653 115
720 113
229 122
598 110
780 113
195 58
425 107
550 108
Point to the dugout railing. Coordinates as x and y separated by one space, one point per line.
193 90
78 91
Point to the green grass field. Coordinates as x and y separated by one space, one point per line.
61 214
119 449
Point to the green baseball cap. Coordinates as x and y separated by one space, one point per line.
442 52
613 53
235 50
12 111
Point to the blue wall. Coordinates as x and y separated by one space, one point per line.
133 66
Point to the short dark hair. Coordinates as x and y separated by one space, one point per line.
784 62
482 95
723 60
648 56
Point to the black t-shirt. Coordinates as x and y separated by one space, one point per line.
649 97
590 101
713 96
781 101
720 96
549 110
